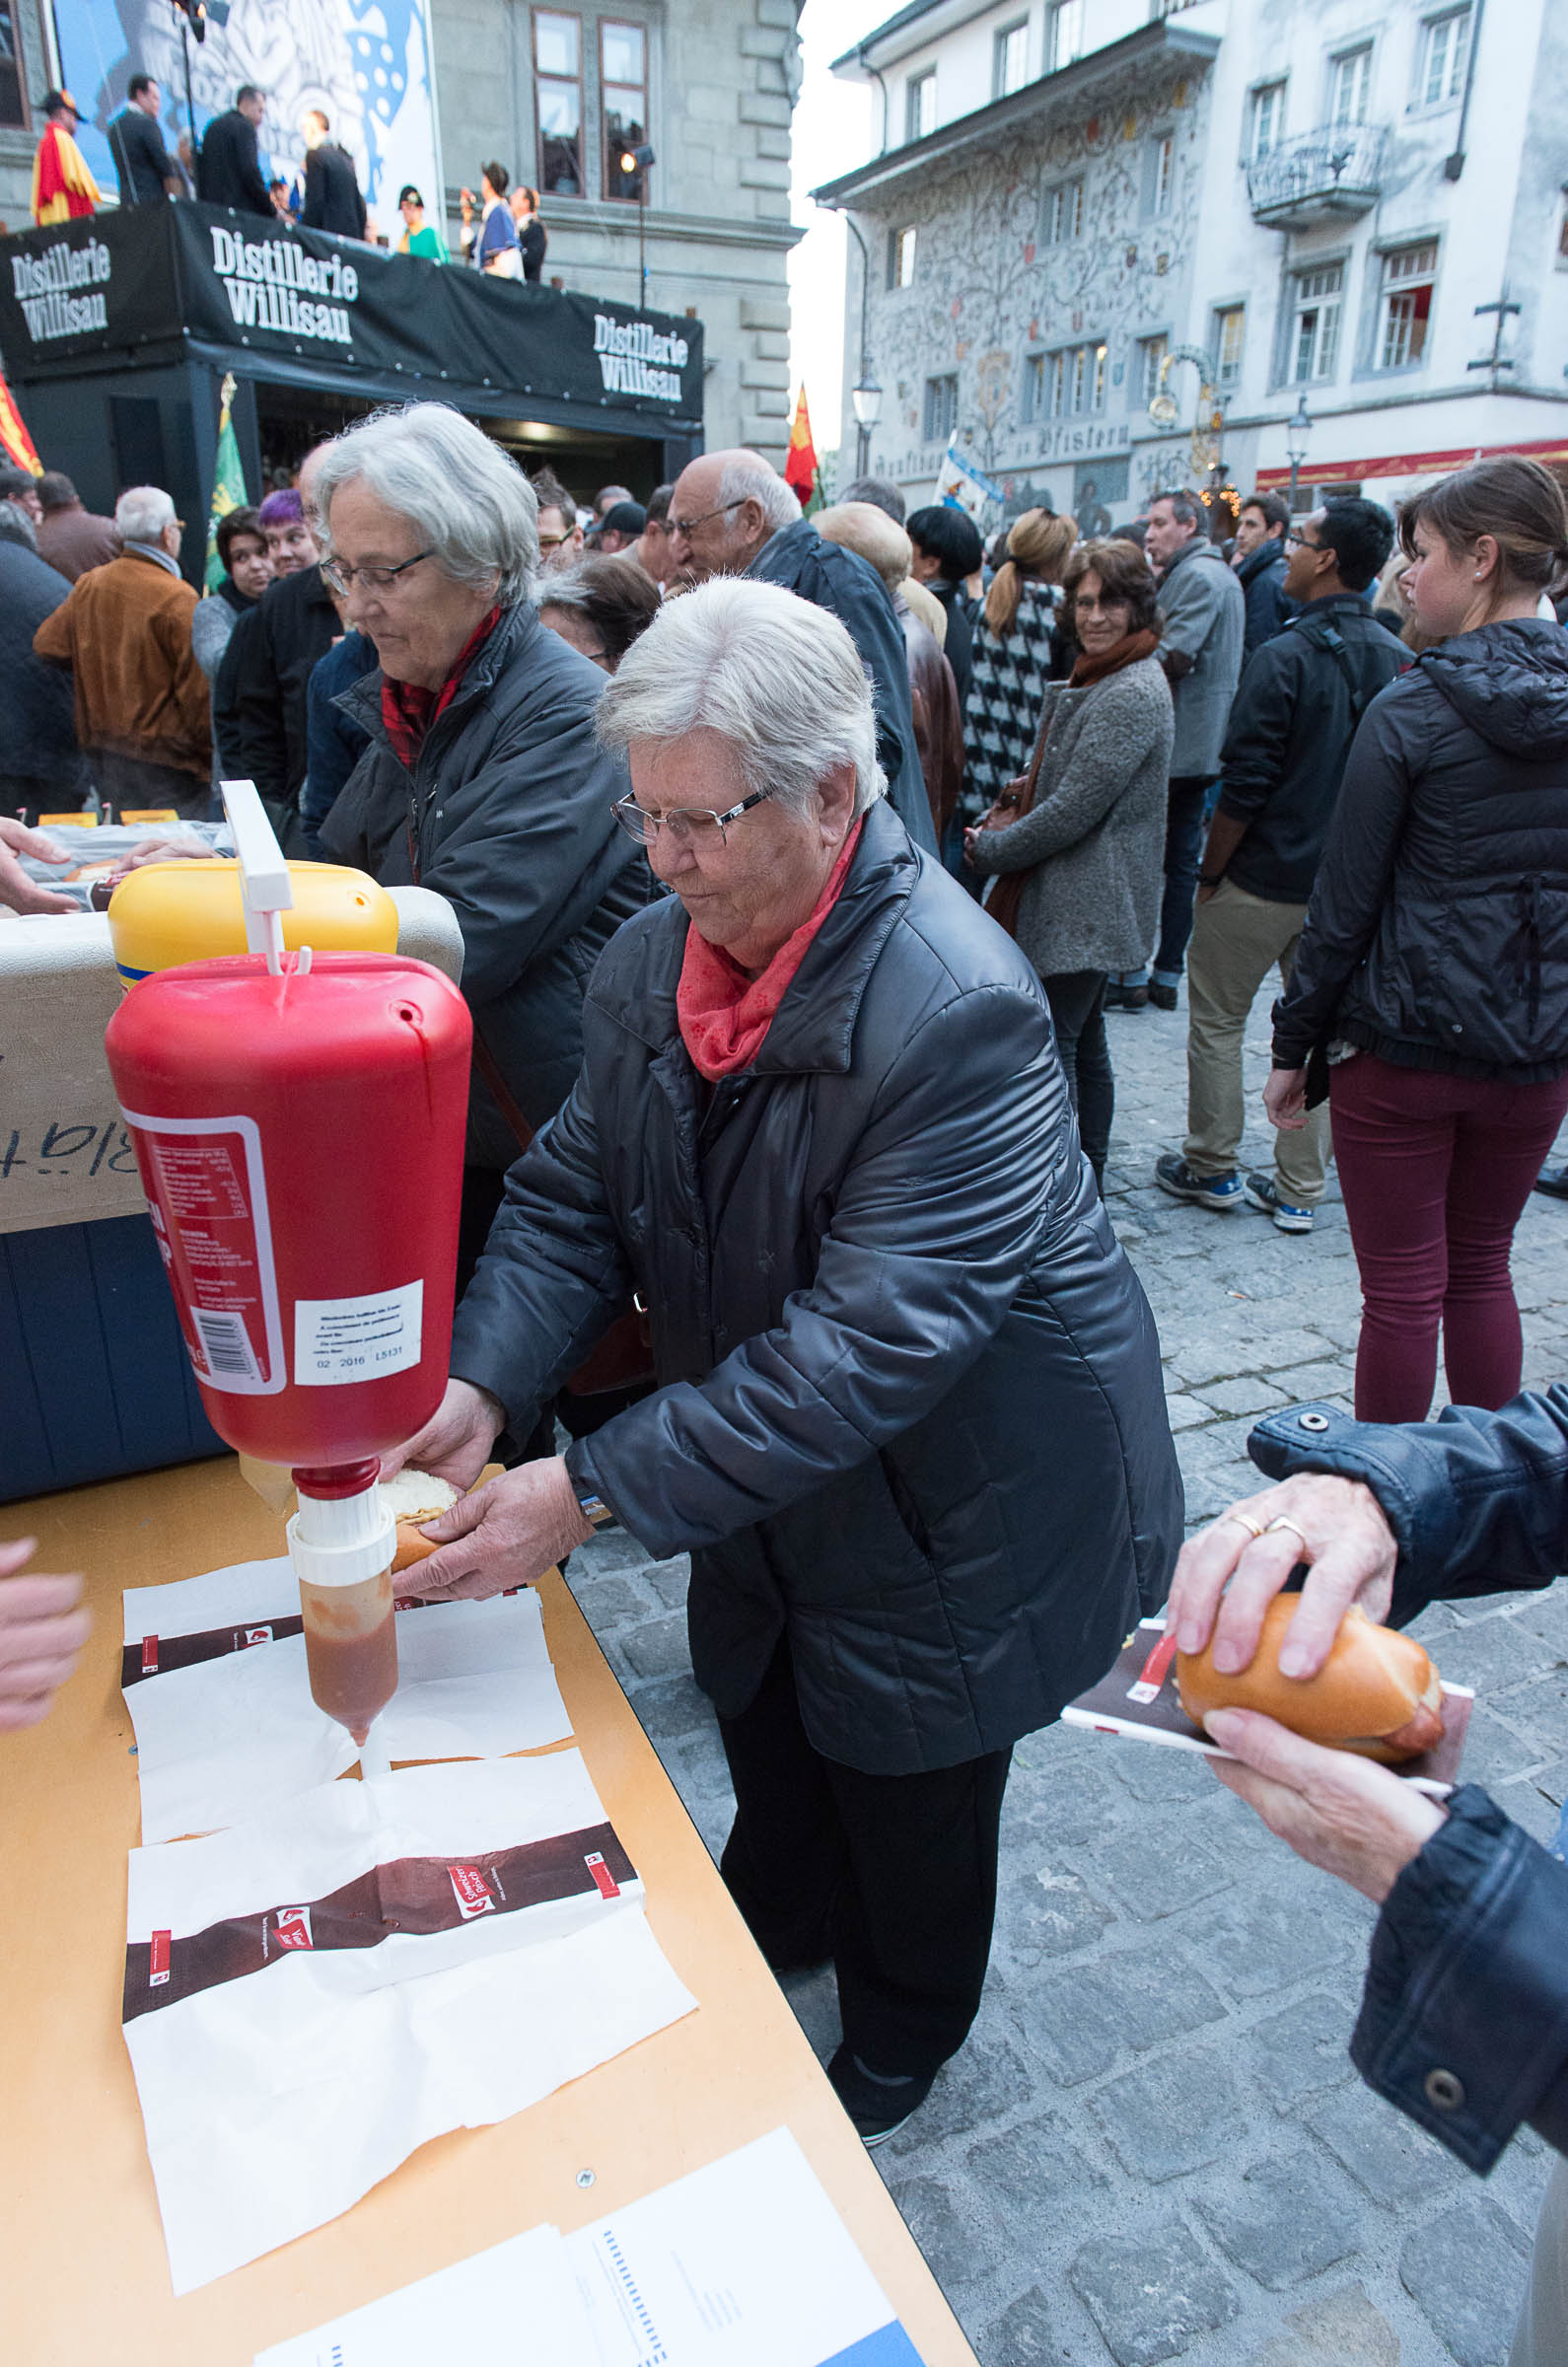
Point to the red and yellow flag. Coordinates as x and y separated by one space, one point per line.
800 469
15 442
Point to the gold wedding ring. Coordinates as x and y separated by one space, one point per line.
1245 1521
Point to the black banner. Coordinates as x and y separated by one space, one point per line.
240 289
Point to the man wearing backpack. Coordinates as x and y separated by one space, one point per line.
1295 712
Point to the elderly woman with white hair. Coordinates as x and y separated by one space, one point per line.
483 779
910 1421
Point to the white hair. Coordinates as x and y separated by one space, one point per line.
141 514
777 678
470 504
755 480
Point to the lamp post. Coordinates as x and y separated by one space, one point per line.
637 161
867 400
1298 440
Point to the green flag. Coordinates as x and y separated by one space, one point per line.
227 483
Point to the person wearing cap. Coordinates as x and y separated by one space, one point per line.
419 235
619 529
63 189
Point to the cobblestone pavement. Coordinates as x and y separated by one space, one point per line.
1153 2146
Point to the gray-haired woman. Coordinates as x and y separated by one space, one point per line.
910 1421
483 779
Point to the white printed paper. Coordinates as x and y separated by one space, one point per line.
220 1738
337 1342
278 2088
515 2303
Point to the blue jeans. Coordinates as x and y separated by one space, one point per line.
1189 802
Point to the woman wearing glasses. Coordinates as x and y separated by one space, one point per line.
482 779
910 1421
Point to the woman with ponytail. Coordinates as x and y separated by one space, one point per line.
1019 648
1432 970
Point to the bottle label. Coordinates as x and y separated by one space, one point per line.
206 1191
337 1342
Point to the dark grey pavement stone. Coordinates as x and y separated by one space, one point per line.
1394 2160
987 2081
1492 1655
1155 1872
1078 2021
670 1580
1154 1772
658 1649
1042 1911
1466 2271
957 2247
1291 2216
1539 1709
1021 2336
609 1549
1176 2114
1151 2295
678 1707
1495 1749
1342 2330
1075 1806
1552 1783
1031 2173
1263 1934
605 1601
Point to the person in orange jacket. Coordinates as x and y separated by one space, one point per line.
63 189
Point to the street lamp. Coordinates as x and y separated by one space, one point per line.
635 162
1298 440
867 400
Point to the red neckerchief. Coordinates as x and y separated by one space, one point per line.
722 1014
408 709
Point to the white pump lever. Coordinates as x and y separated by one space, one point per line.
265 887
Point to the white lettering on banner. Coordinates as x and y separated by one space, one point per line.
41 284
269 284
630 354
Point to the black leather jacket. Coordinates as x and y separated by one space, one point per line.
1469 1961
911 1407
1436 935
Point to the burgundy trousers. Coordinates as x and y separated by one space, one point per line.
1435 1171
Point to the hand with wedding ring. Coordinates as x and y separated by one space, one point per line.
1235 1567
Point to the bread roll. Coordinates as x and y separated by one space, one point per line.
1377 1693
412 1498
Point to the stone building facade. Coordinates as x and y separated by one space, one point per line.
1222 208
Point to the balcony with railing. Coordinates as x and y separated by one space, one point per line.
1320 177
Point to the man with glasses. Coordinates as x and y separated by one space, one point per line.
1294 718
731 514
560 535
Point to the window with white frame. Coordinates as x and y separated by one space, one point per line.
1229 335
940 409
1159 174
1074 382
1350 85
1408 277
1064 212
1032 399
1011 63
1064 34
1315 326
1150 381
1269 119
920 104
901 257
1444 55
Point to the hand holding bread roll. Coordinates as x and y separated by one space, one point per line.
1377 1693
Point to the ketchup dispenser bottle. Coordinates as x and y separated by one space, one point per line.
299 1125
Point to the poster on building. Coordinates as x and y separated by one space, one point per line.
364 63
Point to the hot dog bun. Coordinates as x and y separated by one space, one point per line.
412 1498
1377 1693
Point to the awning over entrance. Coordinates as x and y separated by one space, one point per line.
159 285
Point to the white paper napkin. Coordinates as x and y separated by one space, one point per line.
282 2074
221 1737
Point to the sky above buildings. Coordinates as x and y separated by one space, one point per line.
833 131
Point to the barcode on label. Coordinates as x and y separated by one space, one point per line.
225 1343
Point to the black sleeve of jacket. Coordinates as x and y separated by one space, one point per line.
1354 878
1479 1502
314 212
261 744
934 1230
1469 1976
248 161
1262 718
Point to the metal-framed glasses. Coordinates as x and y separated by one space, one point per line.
689 825
340 577
1303 543
689 526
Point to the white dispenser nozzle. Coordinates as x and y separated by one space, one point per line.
265 887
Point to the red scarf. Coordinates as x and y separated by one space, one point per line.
408 709
724 1015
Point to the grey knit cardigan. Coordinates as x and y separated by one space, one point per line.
1094 839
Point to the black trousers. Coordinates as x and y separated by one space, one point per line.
893 1876
1076 998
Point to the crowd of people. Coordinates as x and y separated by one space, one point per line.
798 862
503 233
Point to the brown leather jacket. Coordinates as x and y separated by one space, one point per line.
937 724
75 539
125 633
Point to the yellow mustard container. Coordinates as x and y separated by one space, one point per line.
167 914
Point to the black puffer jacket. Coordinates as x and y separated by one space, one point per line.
509 805
912 1407
1436 935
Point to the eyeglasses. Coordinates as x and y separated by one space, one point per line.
340 577
689 825
689 526
1301 542
555 542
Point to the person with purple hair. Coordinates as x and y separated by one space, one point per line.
291 545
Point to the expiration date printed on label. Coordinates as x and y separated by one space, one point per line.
337 1342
